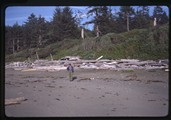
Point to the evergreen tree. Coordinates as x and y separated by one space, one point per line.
142 18
57 24
124 19
18 36
105 20
64 24
70 24
31 34
42 32
102 18
13 38
160 15
8 40
35 30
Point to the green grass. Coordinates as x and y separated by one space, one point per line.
143 44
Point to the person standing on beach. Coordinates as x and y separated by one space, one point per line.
70 69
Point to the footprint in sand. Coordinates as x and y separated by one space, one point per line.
98 88
117 94
164 104
83 88
102 96
58 99
60 86
108 93
114 109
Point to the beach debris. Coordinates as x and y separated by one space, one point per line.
108 93
14 101
130 77
84 79
151 100
50 86
71 58
99 63
27 70
155 81
99 58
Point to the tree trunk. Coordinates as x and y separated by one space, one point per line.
37 56
40 40
155 23
82 33
18 46
97 33
13 46
51 57
127 17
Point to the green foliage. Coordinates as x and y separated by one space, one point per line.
143 44
64 24
102 19
160 15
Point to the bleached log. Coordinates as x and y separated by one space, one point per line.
13 101
99 58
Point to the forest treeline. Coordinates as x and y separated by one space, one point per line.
36 32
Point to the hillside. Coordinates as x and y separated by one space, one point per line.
140 44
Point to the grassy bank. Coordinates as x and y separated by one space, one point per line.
140 44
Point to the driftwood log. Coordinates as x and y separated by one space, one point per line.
13 101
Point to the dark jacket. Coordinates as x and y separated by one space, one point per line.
70 68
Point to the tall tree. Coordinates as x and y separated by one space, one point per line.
42 31
64 24
30 30
35 29
56 24
70 23
160 15
8 40
13 38
101 20
142 17
125 14
18 36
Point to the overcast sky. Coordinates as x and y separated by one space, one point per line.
20 14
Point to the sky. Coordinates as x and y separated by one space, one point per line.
20 14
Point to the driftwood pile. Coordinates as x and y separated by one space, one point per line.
56 65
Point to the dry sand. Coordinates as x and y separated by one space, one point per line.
94 93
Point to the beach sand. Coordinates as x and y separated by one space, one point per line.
95 93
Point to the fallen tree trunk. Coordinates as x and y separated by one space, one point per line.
13 101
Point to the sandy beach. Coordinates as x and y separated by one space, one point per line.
95 93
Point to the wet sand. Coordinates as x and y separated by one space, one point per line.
95 93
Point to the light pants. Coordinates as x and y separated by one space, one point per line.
70 76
